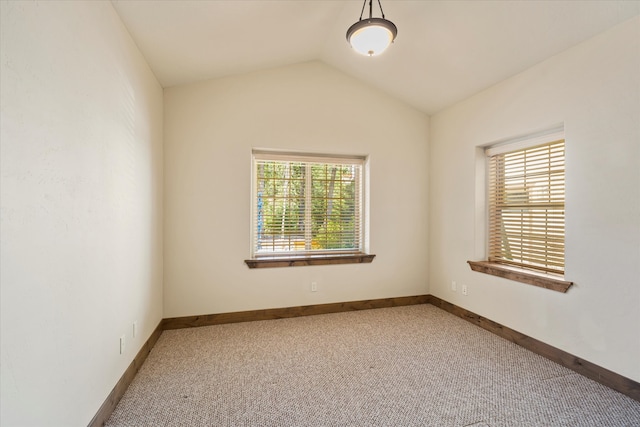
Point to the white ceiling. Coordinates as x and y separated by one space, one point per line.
445 50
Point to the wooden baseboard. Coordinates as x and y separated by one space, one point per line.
608 378
590 370
283 313
121 386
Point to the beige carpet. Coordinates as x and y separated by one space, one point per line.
404 366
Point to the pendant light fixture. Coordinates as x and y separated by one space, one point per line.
371 36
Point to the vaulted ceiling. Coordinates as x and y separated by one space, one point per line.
445 50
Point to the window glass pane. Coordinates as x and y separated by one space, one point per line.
307 206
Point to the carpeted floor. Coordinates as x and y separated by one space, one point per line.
403 366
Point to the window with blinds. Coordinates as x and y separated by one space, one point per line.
526 204
307 204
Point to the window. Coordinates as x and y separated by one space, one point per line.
307 209
525 197
526 207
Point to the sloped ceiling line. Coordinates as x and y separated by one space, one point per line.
445 51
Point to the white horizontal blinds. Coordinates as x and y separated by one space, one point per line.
304 205
307 157
526 207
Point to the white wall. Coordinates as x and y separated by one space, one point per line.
210 129
594 89
81 224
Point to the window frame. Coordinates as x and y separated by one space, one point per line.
308 256
522 273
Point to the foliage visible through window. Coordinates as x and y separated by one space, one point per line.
526 207
307 205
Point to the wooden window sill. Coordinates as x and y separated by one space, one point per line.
300 260
520 275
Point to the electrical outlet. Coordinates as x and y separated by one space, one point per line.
122 344
454 286
314 286
464 290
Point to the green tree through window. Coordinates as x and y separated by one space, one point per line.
307 205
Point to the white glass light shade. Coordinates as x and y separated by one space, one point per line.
371 36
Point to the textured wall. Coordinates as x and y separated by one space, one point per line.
81 153
594 90
210 129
